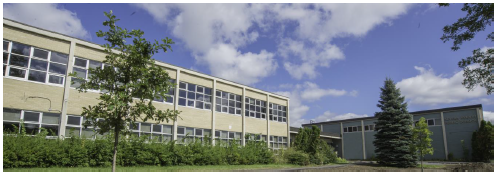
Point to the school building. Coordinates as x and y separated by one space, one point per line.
37 89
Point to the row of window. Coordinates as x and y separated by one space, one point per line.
228 103
190 134
278 142
158 132
33 121
196 96
255 108
430 122
277 112
34 64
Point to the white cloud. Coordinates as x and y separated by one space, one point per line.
202 27
47 16
329 116
427 88
312 92
226 62
354 93
304 93
488 116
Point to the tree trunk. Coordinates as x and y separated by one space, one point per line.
116 140
422 169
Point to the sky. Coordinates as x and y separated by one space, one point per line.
330 59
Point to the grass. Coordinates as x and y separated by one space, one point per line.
431 166
209 168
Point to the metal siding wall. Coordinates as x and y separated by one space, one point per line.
457 132
333 128
437 144
353 142
369 138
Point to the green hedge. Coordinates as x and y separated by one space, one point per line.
28 151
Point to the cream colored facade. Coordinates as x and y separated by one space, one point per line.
34 96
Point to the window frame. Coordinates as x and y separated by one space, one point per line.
29 67
194 99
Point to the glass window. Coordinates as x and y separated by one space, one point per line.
57 68
189 131
194 96
80 62
157 128
11 114
21 49
145 127
17 73
59 57
32 116
278 112
6 45
40 53
51 118
39 64
17 60
167 129
431 122
37 76
71 120
198 132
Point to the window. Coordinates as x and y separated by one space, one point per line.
369 127
170 95
196 96
188 135
228 103
224 138
80 67
255 137
345 129
278 142
431 122
255 108
75 127
277 112
34 64
154 132
33 121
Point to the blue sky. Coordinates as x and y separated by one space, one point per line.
330 59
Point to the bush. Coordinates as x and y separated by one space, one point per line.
450 157
296 157
21 150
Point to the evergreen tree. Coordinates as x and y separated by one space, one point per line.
394 132
482 143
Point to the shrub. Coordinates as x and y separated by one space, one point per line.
296 157
450 157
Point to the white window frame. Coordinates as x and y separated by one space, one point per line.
249 102
204 102
28 68
221 106
279 109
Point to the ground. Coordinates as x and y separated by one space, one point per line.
350 167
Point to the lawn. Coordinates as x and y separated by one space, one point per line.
209 168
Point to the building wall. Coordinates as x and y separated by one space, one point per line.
459 125
16 91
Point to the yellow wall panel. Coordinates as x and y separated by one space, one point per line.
278 129
89 53
186 77
16 93
255 126
255 95
225 121
229 88
37 40
192 117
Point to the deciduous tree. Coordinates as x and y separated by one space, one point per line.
478 68
421 139
128 83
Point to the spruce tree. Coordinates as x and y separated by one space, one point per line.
394 129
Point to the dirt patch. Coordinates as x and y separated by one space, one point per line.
474 167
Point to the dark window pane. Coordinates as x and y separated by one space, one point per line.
169 99
52 130
5 58
200 105
181 130
10 127
218 93
431 122
200 97
208 91
258 115
158 98
56 79
238 105
191 87
247 113
19 60
6 46
191 103
218 101
77 82
182 93
218 108
157 128
37 76
225 109
232 103
200 89
39 64
57 68
73 120
225 95
59 57
11 114
232 96
225 102
95 64
80 72
4 69
238 98
238 112
182 85
31 129
207 98
191 95
232 110
231 135
31 116
80 62
182 102
207 106
218 133
198 132
21 49
263 116
40 53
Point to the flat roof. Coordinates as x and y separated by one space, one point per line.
414 113
184 69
